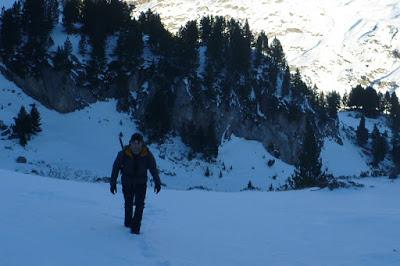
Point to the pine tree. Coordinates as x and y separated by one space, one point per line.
277 55
379 146
239 48
345 99
62 57
386 102
356 97
396 148
262 43
261 46
52 11
308 170
298 88
395 112
129 47
71 13
286 82
362 133
22 127
68 47
10 30
157 118
370 102
217 43
188 37
205 28
381 106
35 119
82 45
211 150
37 19
333 104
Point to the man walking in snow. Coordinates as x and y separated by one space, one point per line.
133 161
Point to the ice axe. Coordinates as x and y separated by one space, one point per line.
120 142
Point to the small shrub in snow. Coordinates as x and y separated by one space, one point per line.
199 187
21 159
364 174
271 162
2 125
396 53
250 187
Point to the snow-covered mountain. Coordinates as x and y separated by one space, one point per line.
336 44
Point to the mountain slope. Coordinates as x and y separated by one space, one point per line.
53 222
336 44
82 145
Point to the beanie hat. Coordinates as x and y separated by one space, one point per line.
136 136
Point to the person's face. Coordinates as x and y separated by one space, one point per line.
136 146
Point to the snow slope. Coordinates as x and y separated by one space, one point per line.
55 222
83 145
6 3
336 44
348 159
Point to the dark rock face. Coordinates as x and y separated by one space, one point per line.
54 89
286 136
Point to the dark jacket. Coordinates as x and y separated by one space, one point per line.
134 167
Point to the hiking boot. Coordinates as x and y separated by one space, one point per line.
135 231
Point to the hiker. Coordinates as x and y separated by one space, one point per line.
133 161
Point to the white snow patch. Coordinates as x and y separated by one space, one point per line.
69 223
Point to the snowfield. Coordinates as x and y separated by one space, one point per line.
55 222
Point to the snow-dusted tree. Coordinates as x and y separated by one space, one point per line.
22 127
308 171
379 146
35 119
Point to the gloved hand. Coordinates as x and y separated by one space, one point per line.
157 188
113 189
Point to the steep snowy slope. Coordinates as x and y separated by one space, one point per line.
82 145
50 222
336 44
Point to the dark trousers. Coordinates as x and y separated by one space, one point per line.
135 193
